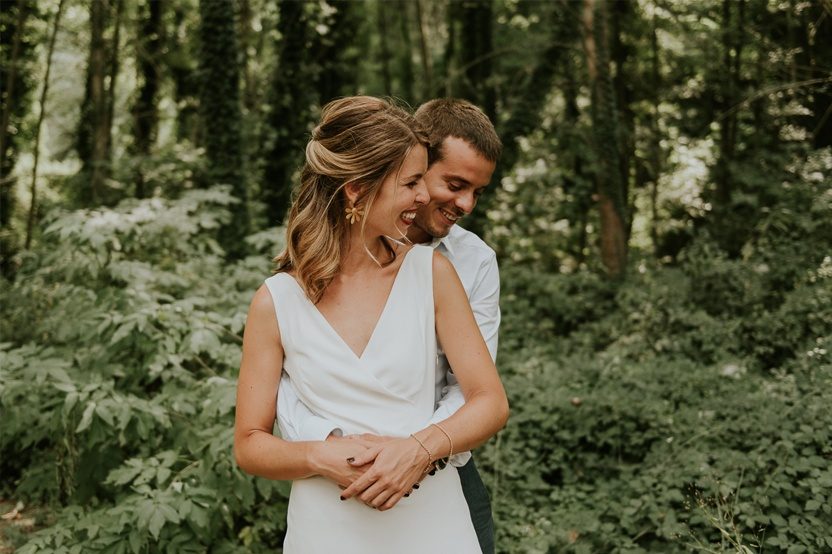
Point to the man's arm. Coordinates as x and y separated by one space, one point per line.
295 420
485 303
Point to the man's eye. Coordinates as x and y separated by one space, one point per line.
454 187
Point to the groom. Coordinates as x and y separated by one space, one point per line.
464 149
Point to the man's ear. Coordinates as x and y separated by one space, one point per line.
352 190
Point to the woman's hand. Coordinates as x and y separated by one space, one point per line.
397 465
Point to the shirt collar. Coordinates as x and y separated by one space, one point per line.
444 242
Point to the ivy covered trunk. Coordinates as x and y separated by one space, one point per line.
145 115
14 50
291 103
221 114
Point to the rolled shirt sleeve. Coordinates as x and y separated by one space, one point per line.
295 420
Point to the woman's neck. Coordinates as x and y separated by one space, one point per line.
356 254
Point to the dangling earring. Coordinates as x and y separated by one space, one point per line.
354 214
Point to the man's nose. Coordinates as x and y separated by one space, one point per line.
466 202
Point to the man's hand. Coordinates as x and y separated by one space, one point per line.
396 466
331 459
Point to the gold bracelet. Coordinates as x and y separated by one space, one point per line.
450 442
425 448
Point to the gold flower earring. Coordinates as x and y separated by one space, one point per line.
354 214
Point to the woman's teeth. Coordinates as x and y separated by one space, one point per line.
409 216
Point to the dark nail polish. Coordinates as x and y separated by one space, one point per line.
406 494
432 472
342 498
350 459
416 486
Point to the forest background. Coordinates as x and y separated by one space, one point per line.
662 215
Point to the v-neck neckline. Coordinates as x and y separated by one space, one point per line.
358 357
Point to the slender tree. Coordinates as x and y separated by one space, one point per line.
476 55
424 53
609 186
220 105
292 99
15 51
405 54
817 34
145 115
384 46
33 203
183 70
336 52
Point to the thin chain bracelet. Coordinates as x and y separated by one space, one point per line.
425 448
442 462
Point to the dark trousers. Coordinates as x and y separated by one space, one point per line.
479 505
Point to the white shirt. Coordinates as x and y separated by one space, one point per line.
476 264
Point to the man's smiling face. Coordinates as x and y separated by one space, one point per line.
454 184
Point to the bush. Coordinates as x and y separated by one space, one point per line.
123 335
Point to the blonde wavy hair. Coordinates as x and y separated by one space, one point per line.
362 140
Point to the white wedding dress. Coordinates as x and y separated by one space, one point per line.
388 390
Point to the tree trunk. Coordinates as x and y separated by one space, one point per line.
14 110
731 53
381 14
334 53
145 115
820 60
11 80
185 81
220 103
476 55
291 98
93 135
245 33
655 140
610 189
448 58
427 70
622 84
576 186
406 54
115 47
30 221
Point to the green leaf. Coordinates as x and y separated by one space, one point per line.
157 521
86 418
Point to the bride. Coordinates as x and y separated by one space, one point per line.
353 315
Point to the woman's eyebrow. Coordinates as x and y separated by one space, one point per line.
414 177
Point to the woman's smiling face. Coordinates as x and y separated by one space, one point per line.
402 192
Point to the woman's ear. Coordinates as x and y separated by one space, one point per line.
352 190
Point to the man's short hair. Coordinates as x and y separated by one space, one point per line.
454 117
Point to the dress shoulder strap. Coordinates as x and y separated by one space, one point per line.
290 305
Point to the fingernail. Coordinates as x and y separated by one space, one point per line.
416 486
406 494
350 459
432 472
342 498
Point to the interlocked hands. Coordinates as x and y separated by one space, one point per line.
379 471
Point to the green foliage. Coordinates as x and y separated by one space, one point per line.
123 338
685 409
